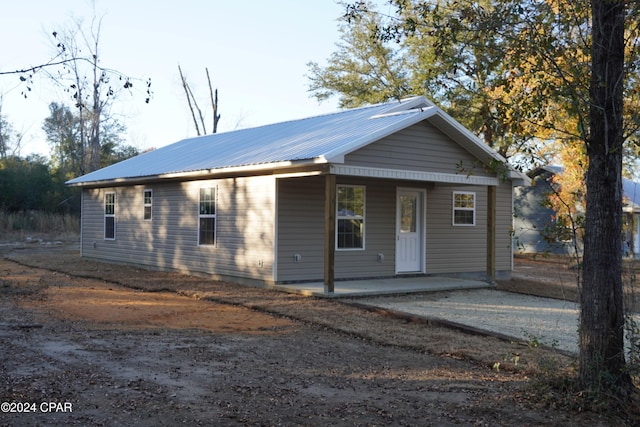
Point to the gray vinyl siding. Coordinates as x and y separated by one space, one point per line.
450 250
301 230
462 249
421 147
380 230
455 249
244 228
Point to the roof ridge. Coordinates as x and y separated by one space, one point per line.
401 112
405 104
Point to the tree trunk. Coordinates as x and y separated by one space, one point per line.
602 359
187 93
94 133
94 143
214 103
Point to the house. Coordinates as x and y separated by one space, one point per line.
535 222
372 192
631 217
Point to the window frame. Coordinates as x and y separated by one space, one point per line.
146 205
213 215
560 229
361 218
109 214
456 208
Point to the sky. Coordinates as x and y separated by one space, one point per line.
256 52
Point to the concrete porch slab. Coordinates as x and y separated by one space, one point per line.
371 287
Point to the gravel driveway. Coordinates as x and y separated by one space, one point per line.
546 321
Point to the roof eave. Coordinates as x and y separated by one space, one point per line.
203 173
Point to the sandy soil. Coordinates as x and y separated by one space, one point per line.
121 345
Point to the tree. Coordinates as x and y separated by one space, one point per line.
562 78
427 49
113 148
25 184
473 58
365 69
62 128
602 356
9 141
5 134
567 199
569 62
69 150
76 67
193 103
89 86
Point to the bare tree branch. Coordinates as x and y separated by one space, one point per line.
214 103
187 93
193 104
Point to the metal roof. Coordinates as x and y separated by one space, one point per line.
320 139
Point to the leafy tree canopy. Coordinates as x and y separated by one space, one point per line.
474 59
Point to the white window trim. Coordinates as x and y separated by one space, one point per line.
363 218
145 205
214 216
458 208
113 215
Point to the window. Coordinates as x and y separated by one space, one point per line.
408 211
350 217
464 208
207 217
110 216
147 203
560 229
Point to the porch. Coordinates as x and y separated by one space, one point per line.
372 287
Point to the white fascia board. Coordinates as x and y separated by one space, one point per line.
410 175
412 117
190 175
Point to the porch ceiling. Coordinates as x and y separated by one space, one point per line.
413 175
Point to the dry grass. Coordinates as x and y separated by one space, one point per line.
21 224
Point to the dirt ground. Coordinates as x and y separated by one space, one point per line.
94 344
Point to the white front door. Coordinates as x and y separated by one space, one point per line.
409 235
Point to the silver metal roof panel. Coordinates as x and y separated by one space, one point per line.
320 139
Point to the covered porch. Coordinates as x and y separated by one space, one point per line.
328 287
389 286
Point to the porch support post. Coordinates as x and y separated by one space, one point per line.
329 232
491 233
